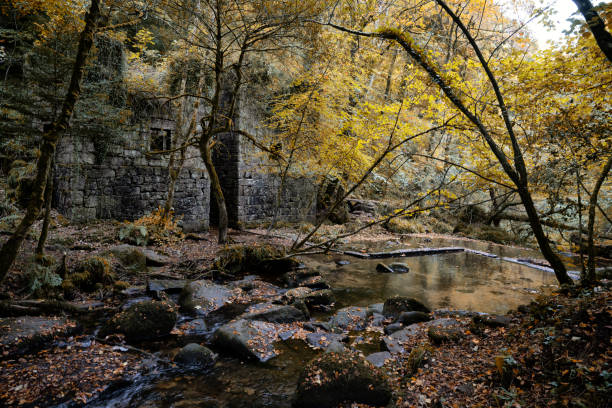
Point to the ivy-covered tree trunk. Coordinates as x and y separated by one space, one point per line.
42 239
9 250
217 192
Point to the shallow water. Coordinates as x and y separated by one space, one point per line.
456 281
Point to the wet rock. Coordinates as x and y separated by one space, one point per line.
26 334
293 279
408 318
342 262
377 320
155 258
248 339
395 342
165 285
335 347
375 308
323 297
399 267
143 321
382 268
193 329
195 356
393 327
268 312
315 282
314 326
349 318
396 305
379 359
203 297
493 320
324 340
321 386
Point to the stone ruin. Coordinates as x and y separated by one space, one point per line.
126 183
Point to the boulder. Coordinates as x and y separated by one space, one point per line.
399 267
143 321
323 297
335 347
439 335
248 339
203 297
396 305
375 308
349 318
195 356
165 285
268 312
395 342
377 320
379 359
408 318
333 378
324 340
263 259
130 257
393 327
27 334
154 258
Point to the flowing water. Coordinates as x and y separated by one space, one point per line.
456 281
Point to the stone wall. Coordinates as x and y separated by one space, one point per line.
126 183
250 180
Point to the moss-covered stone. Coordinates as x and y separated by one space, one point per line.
90 274
333 378
263 259
143 321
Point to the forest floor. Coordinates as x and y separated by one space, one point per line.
554 352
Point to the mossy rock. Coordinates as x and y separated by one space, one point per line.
263 259
333 378
143 321
90 274
417 357
131 257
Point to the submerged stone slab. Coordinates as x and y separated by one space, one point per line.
415 252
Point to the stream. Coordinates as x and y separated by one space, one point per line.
457 281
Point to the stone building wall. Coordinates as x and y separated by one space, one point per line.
125 183
250 180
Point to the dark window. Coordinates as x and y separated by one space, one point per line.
161 139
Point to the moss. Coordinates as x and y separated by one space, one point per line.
142 321
236 259
333 378
91 274
416 358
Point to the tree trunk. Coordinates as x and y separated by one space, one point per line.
536 226
590 275
9 250
216 190
597 27
42 239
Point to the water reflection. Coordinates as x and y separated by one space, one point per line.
457 280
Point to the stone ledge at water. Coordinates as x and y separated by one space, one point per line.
248 339
26 334
203 297
333 378
268 312
349 318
